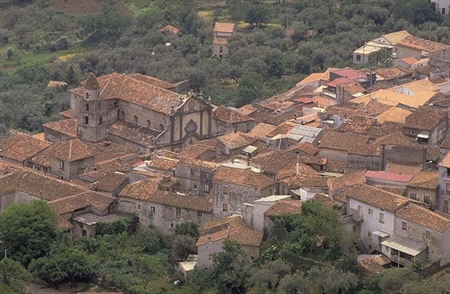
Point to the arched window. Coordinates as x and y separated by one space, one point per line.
87 96
161 127
87 107
86 120
136 120
100 120
149 123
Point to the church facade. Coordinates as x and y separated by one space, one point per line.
138 111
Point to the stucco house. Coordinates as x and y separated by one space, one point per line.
426 125
222 32
424 187
235 185
195 176
232 228
416 47
162 209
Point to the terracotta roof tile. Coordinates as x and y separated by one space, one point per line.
207 165
236 230
72 203
72 150
383 175
445 144
20 147
397 139
394 114
142 135
426 179
375 108
396 37
225 27
365 150
393 72
411 169
110 181
261 130
357 124
376 197
163 163
67 127
284 207
195 150
283 128
243 177
347 180
424 118
305 147
421 44
235 140
409 60
63 223
324 199
393 189
107 151
137 91
433 153
230 116
247 109
37 185
274 161
424 217
445 162
341 141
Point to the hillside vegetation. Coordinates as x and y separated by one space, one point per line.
62 40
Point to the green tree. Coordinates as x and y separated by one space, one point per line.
231 268
27 230
71 77
13 276
10 53
182 246
269 275
257 14
187 228
63 263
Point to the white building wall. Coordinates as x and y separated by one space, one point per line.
371 222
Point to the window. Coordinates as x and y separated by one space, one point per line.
427 199
86 120
443 10
224 206
447 185
206 188
84 233
139 206
225 190
370 211
221 49
151 221
404 226
61 164
178 212
381 218
360 213
161 127
80 163
195 186
122 114
199 215
149 123
369 234
87 107
427 235
100 121
152 209
413 196
136 119
192 172
358 57
249 127
445 208
87 96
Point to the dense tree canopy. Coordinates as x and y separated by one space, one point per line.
27 230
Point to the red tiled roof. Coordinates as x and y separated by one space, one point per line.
382 175
339 81
20 147
67 127
421 44
72 150
243 176
349 73
224 27
230 116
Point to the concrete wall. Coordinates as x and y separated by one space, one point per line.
53 136
403 52
236 197
404 154
369 162
421 192
71 169
417 233
194 179
170 219
333 154
370 222
205 253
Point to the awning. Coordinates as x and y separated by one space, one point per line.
423 136
380 234
250 149
401 245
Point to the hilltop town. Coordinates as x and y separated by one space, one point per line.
346 173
